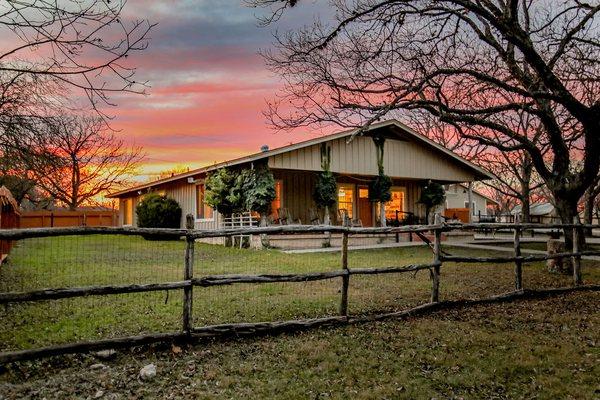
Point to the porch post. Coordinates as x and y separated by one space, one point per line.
470 197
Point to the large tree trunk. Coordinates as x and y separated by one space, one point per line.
525 205
588 210
567 209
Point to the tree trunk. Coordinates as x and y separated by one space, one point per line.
566 210
588 210
525 204
383 222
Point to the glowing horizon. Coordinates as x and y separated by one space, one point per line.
209 85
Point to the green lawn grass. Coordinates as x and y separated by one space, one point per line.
543 349
101 259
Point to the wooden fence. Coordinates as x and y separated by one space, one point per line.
189 282
51 219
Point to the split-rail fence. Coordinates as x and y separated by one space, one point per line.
190 282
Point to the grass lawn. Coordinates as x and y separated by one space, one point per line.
102 259
543 349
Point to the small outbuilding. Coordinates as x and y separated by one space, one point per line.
9 218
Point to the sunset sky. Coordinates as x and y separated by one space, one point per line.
209 85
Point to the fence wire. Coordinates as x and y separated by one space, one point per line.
107 259
79 261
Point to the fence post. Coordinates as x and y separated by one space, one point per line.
576 250
188 291
437 252
518 263
346 276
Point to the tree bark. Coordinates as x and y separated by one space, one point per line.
566 209
588 210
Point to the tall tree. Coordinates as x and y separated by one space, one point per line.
472 64
76 159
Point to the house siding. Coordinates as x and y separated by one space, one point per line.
402 159
455 198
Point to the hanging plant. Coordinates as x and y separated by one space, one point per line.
325 193
379 189
432 195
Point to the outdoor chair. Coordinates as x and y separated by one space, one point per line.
285 218
314 217
343 217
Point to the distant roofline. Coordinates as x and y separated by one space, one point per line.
265 154
479 193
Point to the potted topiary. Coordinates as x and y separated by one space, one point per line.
379 187
432 195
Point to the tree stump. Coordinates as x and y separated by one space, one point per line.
558 265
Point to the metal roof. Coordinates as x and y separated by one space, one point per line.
538 209
483 174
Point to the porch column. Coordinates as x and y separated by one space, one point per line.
470 197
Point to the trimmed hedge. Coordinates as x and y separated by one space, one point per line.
156 211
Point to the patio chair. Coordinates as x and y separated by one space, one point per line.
343 217
282 217
285 218
314 216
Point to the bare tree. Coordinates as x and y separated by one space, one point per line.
81 44
77 159
473 64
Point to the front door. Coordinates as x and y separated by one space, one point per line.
365 207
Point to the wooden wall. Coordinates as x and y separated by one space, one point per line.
48 219
402 159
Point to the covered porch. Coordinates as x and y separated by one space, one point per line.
295 204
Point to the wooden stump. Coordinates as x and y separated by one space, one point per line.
558 265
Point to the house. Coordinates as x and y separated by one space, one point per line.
457 204
541 213
410 159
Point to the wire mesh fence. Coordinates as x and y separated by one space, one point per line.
102 284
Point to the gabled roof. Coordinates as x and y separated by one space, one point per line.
405 130
488 198
7 199
536 209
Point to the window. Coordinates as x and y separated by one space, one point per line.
346 199
128 211
203 211
396 204
276 204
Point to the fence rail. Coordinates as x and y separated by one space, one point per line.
188 330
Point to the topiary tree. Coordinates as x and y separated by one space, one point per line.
258 190
156 211
325 193
379 187
221 191
432 195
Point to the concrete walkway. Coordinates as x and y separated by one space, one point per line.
450 243
507 249
351 248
